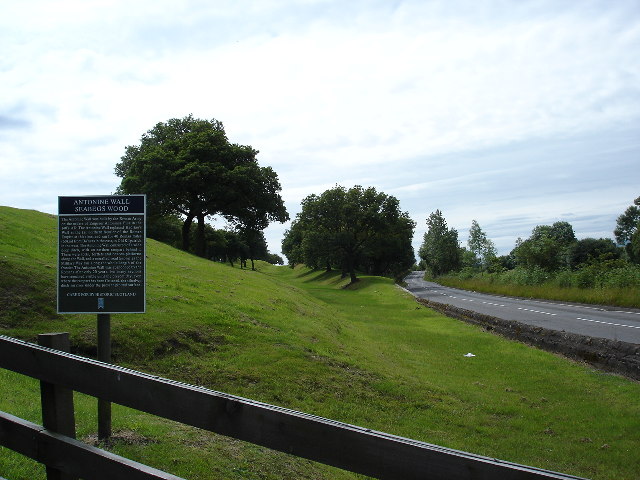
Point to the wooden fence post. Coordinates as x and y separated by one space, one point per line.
57 402
104 355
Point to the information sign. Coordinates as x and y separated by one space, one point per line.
101 254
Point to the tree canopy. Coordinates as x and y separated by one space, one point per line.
440 250
358 228
481 246
188 167
627 231
547 247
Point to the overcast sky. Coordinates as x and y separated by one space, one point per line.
512 113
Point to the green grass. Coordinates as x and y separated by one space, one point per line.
367 355
553 288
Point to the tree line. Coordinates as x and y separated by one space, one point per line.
549 249
189 171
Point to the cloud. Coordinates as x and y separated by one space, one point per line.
481 109
13 123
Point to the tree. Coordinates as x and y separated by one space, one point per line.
274 259
258 203
626 231
350 229
547 247
483 248
187 167
590 249
440 249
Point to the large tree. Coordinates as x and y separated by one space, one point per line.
188 167
351 229
440 249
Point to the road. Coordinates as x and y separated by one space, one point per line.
593 321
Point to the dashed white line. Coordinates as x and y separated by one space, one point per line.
608 323
536 311
494 304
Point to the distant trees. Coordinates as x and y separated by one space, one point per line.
188 168
547 247
551 255
221 245
358 228
440 250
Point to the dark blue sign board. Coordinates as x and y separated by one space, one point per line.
101 254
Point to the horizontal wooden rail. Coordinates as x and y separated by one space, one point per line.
357 449
69 455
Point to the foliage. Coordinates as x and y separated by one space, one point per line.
627 223
165 228
274 259
546 248
603 282
588 250
440 250
351 229
187 167
627 228
483 248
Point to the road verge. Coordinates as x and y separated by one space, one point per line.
609 355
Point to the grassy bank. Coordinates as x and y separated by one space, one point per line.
619 287
366 355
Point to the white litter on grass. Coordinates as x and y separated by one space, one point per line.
469 355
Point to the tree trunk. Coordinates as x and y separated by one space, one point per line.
200 241
186 232
352 270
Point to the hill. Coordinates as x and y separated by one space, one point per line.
366 355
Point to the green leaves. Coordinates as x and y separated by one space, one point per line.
440 249
351 229
188 167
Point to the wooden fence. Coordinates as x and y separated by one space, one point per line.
356 449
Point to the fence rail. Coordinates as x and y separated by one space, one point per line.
356 449
71 456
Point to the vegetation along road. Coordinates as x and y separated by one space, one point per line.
603 322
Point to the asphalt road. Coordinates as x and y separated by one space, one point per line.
594 321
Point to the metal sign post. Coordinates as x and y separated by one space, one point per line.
102 266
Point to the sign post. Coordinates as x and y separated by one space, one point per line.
101 266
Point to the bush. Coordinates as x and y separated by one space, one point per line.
622 277
525 276
565 279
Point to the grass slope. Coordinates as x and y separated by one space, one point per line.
366 355
628 296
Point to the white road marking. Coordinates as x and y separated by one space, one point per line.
608 323
536 311
494 304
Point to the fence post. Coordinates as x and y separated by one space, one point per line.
57 402
104 355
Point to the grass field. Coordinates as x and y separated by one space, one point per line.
367 355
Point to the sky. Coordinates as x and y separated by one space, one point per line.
510 113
